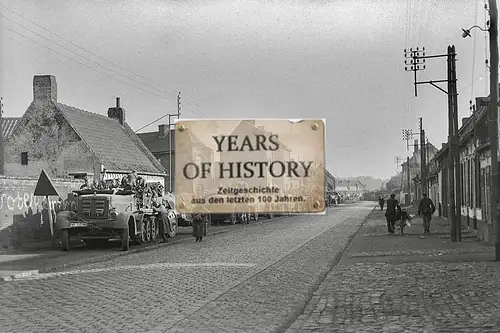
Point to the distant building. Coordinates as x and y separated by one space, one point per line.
349 189
412 192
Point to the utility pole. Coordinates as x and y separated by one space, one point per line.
416 64
454 192
2 155
408 179
170 139
407 135
493 30
422 158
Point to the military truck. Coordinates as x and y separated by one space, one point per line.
104 214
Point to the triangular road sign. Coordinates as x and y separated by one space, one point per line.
44 187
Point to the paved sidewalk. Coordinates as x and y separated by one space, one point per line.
414 283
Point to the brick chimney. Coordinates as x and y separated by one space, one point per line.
44 88
117 112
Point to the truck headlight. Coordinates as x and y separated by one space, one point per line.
113 215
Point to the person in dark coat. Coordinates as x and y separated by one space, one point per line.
381 202
199 227
391 213
426 208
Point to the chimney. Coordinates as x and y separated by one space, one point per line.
44 88
162 130
117 112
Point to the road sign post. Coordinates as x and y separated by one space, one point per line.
45 187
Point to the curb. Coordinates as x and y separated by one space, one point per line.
110 256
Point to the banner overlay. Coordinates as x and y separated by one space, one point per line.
250 166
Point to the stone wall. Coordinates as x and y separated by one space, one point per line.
23 216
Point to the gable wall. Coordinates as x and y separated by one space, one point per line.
51 144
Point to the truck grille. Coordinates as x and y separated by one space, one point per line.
94 207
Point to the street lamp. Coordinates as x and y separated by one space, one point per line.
466 32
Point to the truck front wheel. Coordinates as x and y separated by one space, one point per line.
65 240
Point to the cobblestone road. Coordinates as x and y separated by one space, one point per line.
416 285
255 279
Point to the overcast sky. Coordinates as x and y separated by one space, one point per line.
338 60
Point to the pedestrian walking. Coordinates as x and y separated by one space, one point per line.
199 227
381 202
391 213
426 208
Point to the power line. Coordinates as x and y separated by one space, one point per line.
81 48
34 32
194 105
78 62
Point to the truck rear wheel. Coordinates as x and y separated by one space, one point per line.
65 240
125 240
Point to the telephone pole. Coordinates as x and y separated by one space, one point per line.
493 30
170 139
407 135
416 63
422 158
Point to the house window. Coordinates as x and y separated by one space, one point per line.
24 158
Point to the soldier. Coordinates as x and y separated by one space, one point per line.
391 213
164 223
381 202
86 184
426 208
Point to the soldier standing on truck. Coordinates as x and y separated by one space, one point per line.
86 184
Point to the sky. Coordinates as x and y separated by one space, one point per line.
342 61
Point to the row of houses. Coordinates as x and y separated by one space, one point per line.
475 174
69 142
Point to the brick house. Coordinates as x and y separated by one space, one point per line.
164 151
70 142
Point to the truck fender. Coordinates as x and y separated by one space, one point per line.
122 220
63 220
